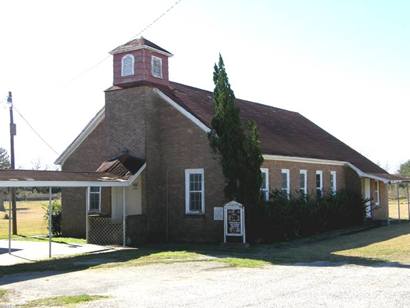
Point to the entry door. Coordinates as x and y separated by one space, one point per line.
366 195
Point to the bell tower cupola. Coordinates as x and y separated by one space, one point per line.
140 60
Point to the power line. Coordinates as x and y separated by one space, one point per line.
134 37
157 19
35 131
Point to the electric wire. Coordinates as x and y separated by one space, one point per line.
35 131
89 69
93 67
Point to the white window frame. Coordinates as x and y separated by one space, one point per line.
265 190
304 189
287 172
319 172
377 191
188 172
123 74
153 58
99 199
333 177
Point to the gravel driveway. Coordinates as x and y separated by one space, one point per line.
208 284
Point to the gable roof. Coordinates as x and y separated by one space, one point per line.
139 43
282 132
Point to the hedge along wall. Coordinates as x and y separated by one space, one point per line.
284 217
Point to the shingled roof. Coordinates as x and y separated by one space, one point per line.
282 132
137 44
122 165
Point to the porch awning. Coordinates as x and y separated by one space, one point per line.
36 178
390 178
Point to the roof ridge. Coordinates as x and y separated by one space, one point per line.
236 98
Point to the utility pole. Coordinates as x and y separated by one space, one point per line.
12 161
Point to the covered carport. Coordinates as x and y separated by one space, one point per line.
63 179
396 182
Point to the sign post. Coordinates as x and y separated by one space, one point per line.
234 220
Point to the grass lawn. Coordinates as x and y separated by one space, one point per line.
31 225
371 247
30 219
3 295
63 300
393 209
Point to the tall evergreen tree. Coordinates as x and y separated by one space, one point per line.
405 168
4 159
236 143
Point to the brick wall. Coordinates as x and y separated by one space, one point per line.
133 125
380 212
150 128
185 146
139 121
294 168
87 157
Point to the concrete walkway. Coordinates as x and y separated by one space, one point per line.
26 251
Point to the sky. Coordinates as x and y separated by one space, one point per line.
343 64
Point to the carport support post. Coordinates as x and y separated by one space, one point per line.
9 221
408 200
124 227
398 200
50 224
87 206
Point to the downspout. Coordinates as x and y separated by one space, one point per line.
167 208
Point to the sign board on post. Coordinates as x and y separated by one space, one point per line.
234 220
218 213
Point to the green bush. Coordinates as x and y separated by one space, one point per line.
283 218
55 216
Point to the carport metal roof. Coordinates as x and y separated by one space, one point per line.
36 178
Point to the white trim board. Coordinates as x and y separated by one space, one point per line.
307 160
108 183
188 172
88 129
33 183
304 160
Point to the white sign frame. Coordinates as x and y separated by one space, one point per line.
233 205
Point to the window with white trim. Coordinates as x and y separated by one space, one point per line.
194 191
265 183
95 199
285 181
333 185
303 182
127 65
319 183
156 66
376 193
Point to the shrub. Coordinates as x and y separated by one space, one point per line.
55 217
283 218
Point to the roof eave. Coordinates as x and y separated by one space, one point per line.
123 49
